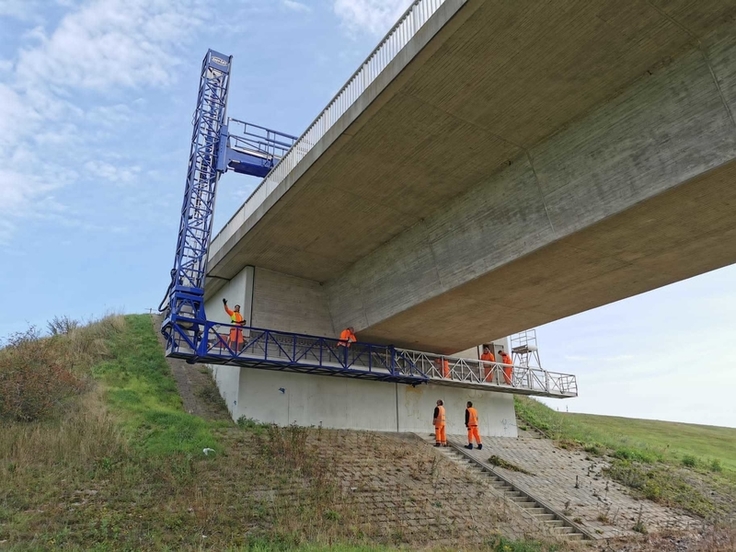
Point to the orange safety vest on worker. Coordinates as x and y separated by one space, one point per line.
236 335
439 416
346 338
507 370
445 368
471 420
488 370
440 436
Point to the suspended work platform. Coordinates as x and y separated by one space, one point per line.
215 343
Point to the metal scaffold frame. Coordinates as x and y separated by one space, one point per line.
524 349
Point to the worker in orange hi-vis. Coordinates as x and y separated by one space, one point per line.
440 437
508 371
471 422
347 336
235 340
487 356
444 366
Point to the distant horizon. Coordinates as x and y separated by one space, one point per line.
633 418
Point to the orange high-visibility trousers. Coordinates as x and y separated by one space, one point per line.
236 338
507 373
439 435
473 434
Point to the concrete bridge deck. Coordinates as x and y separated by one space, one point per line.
514 163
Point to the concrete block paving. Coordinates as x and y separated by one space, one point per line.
574 484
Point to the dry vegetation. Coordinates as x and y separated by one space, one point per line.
104 458
113 462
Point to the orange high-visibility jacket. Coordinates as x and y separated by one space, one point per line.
439 416
346 337
445 368
471 417
235 317
488 357
506 359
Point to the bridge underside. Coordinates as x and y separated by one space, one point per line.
531 161
678 234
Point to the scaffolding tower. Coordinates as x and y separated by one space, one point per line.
524 350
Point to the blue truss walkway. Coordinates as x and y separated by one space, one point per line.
276 350
215 343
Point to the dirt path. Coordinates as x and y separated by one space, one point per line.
198 391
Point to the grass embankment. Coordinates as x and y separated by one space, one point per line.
683 465
108 460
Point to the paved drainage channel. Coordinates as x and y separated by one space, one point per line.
559 523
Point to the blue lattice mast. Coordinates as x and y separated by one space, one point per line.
185 299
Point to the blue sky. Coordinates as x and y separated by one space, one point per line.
96 98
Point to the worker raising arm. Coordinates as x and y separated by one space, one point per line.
235 339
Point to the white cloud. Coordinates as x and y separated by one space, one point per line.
54 91
12 114
372 16
110 43
296 6
110 115
19 190
113 173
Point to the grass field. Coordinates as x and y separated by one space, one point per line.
107 459
682 465
644 439
675 440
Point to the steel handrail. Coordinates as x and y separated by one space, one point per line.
476 371
212 343
296 348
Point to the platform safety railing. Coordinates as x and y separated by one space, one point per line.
395 40
480 373
258 139
218 343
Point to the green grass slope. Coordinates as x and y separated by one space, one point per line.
682 465
647 440
677 440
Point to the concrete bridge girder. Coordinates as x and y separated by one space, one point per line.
620 203
587 159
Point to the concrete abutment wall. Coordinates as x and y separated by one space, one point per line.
274 301
278 301
285 398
